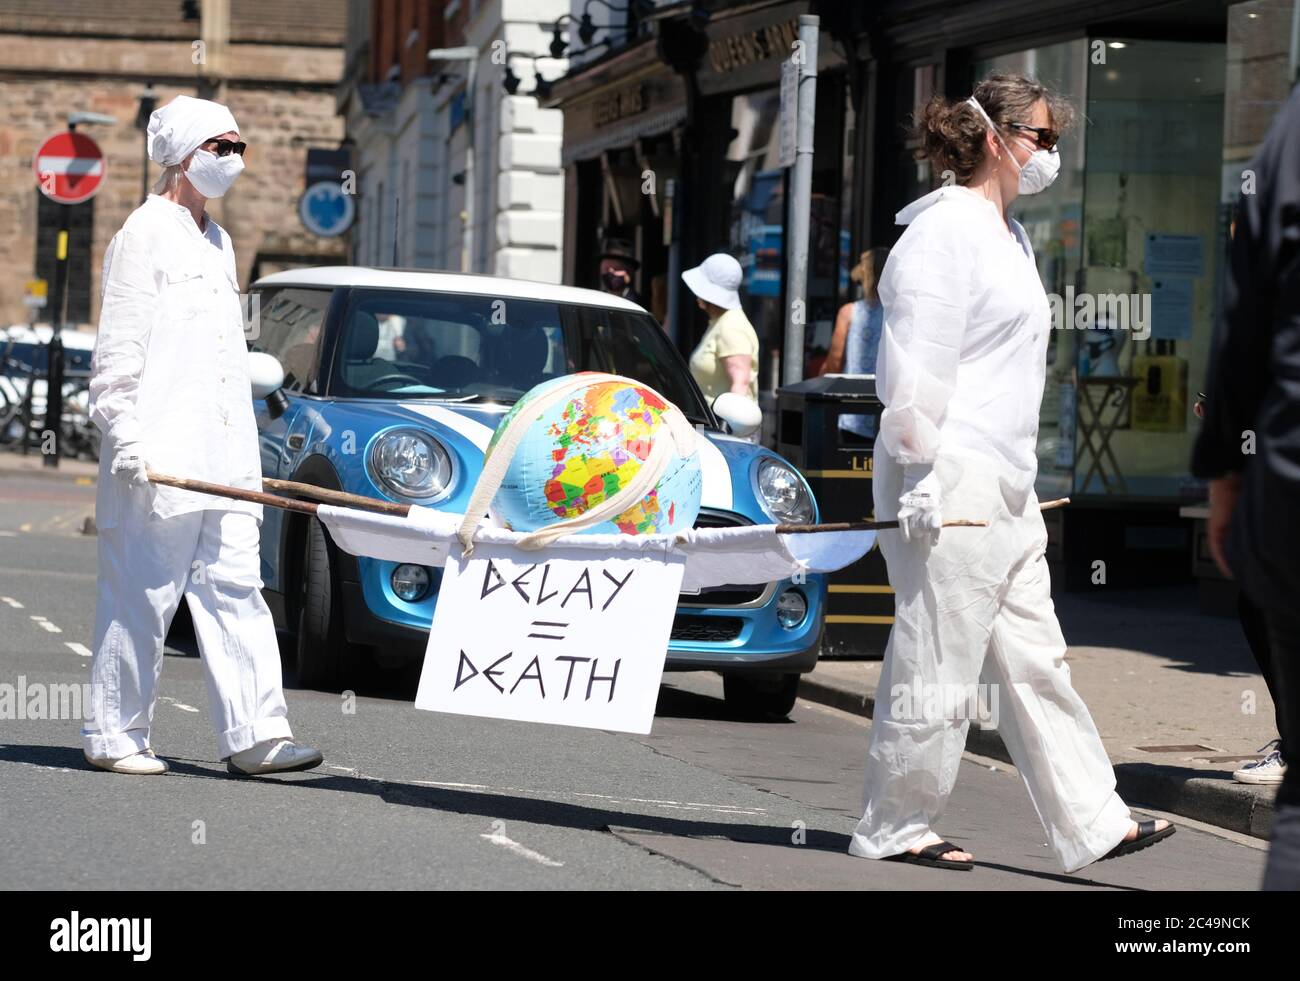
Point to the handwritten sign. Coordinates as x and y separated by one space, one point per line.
567 637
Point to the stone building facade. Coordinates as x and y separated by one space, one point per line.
409 119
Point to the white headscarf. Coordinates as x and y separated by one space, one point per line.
183 125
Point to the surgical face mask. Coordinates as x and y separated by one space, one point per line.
212 175
1036 173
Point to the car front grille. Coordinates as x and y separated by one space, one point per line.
722 595
708 630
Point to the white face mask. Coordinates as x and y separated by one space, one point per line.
1038 171
212 175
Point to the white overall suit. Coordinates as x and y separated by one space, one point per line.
170 378
961 371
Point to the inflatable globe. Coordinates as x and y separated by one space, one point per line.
579 451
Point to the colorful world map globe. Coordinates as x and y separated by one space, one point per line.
586 447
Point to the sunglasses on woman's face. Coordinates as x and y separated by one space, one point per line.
1044 136
223 148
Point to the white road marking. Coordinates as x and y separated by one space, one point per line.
522 851
8 534
46 625
11 601
76 648
41 766
679 805
180 705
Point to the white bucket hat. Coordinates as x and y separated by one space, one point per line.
716 280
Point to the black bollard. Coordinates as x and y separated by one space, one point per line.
54 398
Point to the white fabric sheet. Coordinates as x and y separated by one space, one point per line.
714 556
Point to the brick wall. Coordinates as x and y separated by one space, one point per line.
281 95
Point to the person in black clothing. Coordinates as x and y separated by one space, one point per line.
618 266
1272 768
1249 447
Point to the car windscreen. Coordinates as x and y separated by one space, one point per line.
407 344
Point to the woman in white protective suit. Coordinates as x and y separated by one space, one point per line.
170 391
961 370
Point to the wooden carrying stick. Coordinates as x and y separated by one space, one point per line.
335 497
402 510
878 525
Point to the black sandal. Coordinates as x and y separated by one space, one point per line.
1146 837
931 856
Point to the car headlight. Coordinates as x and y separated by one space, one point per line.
783 492
791 608
410 582
411 463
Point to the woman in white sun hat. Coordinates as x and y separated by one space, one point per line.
726 359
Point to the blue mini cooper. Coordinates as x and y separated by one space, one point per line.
394 382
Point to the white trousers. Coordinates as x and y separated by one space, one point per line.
974 614
145 565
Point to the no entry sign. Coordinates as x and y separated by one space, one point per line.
69 168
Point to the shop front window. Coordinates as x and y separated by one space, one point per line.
1151 228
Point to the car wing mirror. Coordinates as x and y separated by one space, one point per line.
742 416
266 375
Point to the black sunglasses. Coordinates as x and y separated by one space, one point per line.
227 147
1044 136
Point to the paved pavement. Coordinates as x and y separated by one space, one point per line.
414 799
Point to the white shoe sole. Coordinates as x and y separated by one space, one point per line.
308 764
110 766
1260 780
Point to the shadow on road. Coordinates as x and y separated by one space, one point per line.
504 807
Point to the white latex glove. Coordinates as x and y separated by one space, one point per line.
130 466
920 505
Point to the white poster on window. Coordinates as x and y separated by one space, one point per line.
564 636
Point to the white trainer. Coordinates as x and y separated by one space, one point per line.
143 763
274 756
1271 769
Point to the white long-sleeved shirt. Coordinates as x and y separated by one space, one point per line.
170 367
963 353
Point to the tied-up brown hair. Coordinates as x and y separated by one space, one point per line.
952 133
867 271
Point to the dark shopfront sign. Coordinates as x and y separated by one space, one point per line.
726 54
747 51
610 107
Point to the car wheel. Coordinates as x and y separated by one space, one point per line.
325 661
761 696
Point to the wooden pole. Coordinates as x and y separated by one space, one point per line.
401 510
235 493
880 525
336 497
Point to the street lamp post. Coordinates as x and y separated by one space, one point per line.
148 100
470 56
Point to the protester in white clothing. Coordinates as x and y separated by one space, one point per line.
170 391
961 370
